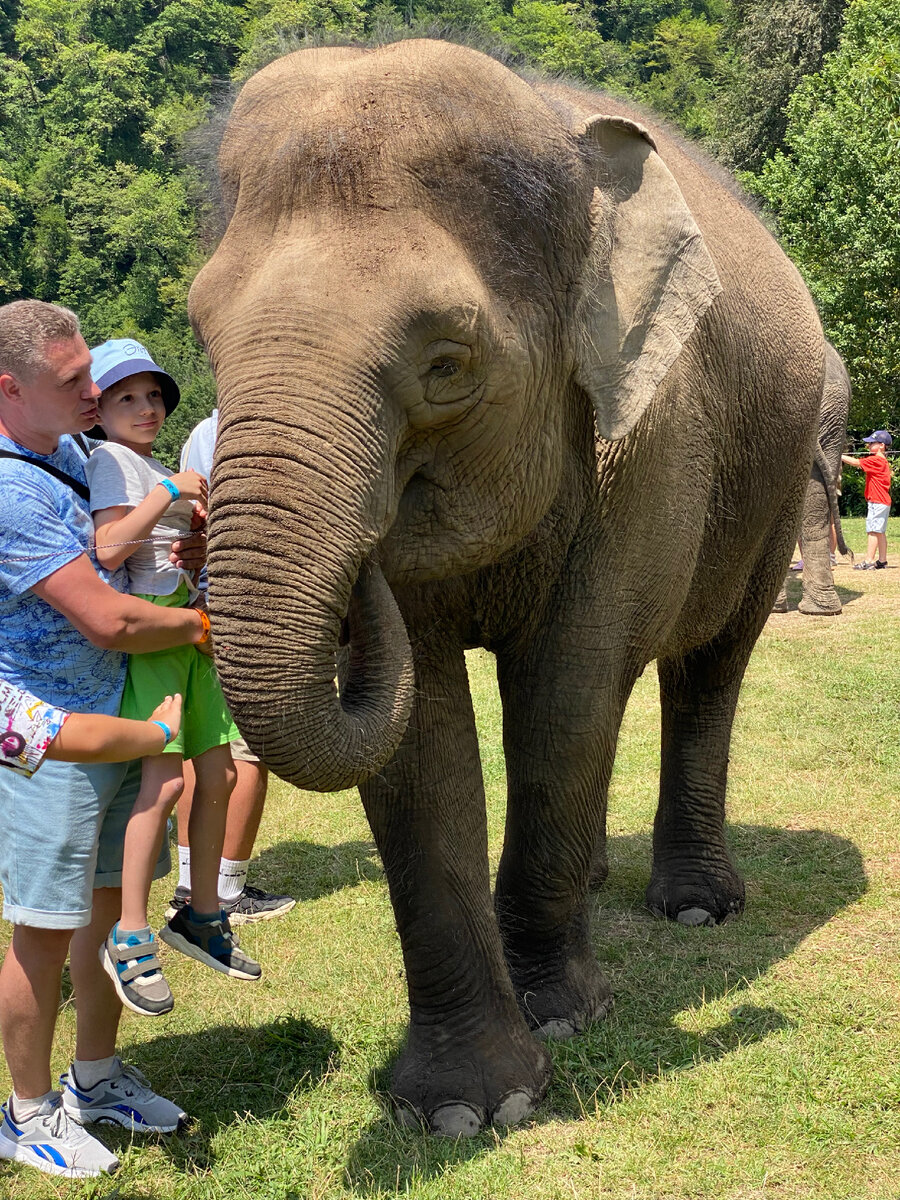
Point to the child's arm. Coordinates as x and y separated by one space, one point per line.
91 737
850 462
124 524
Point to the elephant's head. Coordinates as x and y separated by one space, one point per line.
424 274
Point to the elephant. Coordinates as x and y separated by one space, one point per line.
499 364
820 508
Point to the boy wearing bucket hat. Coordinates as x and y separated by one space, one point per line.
137 505
878 497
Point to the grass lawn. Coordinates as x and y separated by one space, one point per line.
757 1059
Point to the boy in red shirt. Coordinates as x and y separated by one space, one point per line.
878 495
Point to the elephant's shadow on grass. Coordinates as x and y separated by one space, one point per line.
797 880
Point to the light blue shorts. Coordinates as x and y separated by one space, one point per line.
877 517
63 833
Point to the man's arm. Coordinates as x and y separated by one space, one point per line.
113 621
851 462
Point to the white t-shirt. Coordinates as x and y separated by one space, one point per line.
118 476
27 727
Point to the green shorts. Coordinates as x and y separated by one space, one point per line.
206 721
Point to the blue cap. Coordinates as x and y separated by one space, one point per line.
118 358
880 435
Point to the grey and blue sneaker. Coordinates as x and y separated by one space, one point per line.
210 942
134 969
125 1098
52 1142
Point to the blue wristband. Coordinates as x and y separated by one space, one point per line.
171 488
166 730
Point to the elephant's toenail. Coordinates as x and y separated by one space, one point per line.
513 1108
556 1029
457 1120
695 916
406 1115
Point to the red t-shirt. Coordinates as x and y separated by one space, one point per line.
878 478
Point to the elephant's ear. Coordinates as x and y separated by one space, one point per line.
647 279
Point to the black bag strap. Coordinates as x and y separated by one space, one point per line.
79 488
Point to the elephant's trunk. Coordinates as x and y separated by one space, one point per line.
295 522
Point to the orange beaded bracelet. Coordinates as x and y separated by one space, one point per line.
207 628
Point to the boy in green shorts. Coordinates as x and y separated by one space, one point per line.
137 504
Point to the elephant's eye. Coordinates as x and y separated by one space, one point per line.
442 367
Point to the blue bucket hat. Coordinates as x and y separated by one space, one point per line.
880 435
120 357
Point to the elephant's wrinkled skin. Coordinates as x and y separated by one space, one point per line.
820 598
435 281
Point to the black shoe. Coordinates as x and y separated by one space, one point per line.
253 904
880 566
210 942
179 900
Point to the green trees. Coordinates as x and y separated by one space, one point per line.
99 210
835 189
95 209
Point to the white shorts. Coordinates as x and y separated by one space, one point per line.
877 517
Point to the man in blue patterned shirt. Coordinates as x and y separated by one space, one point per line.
65 626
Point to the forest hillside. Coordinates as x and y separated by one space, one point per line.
103 206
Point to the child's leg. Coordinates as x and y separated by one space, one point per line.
215 778
882 546
161 785
872 547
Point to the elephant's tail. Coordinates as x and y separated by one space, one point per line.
830 480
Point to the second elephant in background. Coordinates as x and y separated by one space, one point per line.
820 508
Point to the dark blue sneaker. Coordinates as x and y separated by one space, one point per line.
210 942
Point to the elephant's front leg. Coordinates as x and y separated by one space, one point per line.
562 705
470 1058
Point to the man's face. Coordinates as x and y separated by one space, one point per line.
62 398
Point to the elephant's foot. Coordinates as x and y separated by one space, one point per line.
559 1003
781 605
457 1087
825 604
695 898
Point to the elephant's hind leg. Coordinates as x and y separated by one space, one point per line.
694 880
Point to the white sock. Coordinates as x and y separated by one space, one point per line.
184 867
89 1071
232 877
23 1109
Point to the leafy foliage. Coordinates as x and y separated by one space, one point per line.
836 192
99 210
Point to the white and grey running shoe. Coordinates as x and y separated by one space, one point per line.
134 969
126 1099
53 1143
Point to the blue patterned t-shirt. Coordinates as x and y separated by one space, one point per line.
44 524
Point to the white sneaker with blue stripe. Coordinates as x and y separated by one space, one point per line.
52 1142
125 1098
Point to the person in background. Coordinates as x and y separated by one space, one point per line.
241 901
878 497
66 625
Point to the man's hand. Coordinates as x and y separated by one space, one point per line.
190 552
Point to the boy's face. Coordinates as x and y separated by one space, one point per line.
132 410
